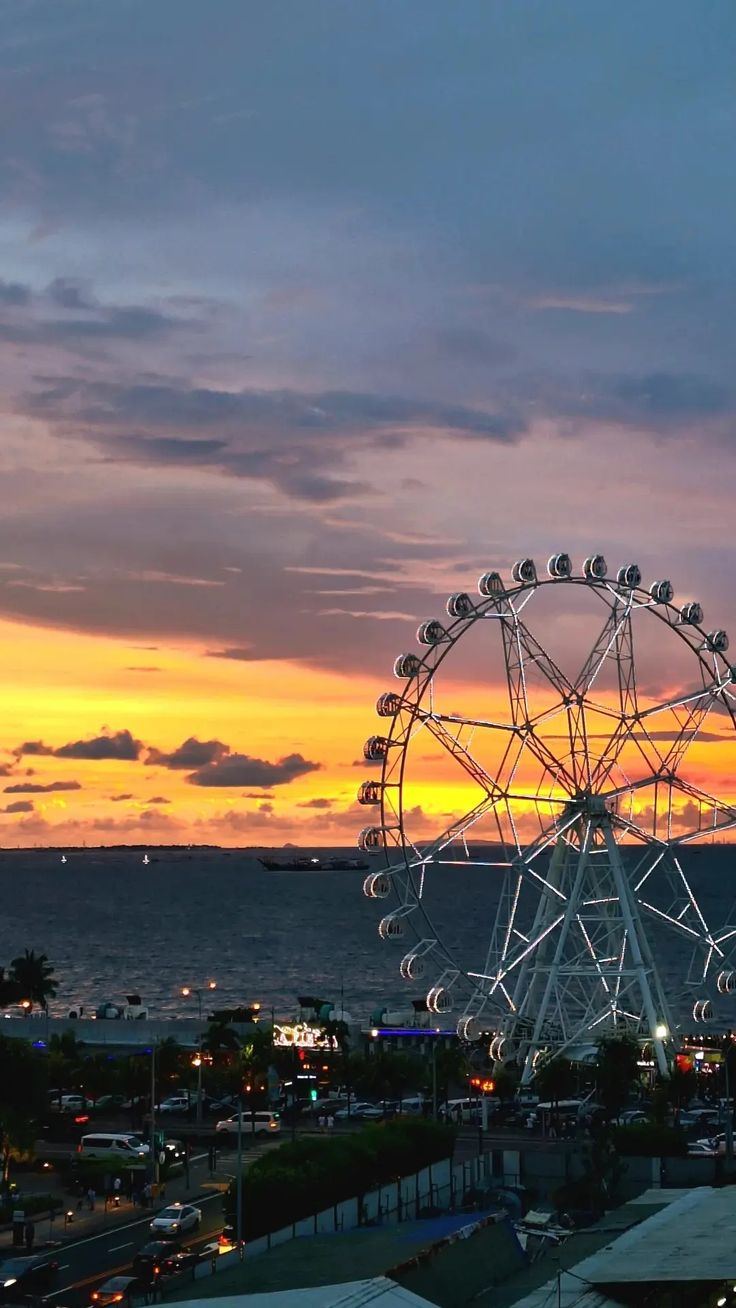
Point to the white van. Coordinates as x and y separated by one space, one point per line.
251 1124
118 1144
463 1110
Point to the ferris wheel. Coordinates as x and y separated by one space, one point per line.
545 766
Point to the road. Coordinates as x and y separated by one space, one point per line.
85 1263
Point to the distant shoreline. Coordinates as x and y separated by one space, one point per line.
154 849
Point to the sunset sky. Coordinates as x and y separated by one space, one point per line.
310 313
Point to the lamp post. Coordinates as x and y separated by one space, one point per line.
153 1154
186 992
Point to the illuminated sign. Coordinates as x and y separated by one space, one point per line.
302 1036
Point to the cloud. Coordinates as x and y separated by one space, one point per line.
19 806
26 319
71 294
12 293
241 770
296 440
33 747
192 753
33 788
662 396
117 799
136 668
158 799
121 745
316 803
240 653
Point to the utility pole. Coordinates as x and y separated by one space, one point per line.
239 1182
434 1079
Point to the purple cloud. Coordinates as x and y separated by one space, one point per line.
241 770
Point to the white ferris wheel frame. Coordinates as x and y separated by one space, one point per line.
587 965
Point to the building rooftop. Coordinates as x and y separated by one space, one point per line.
689 1240
378 1292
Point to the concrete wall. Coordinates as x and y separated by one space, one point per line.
114 1033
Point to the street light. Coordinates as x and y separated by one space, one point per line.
660 1032
186 992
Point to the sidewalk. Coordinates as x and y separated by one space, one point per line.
86 1223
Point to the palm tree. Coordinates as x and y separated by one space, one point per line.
9 991
219 1038
34 977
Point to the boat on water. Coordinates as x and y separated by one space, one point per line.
313 864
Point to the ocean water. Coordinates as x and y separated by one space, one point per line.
113 926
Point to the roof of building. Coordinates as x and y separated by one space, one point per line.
378 1292
689 1240
330 1259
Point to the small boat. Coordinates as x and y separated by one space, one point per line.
146 859
313 864
63 858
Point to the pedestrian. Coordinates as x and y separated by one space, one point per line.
330 1121
30 1235
117 1186
148 1195
91 1197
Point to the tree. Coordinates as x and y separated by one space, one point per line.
23 1098
9 991
617 1071
34 977
64 1061
507 1083
555 1079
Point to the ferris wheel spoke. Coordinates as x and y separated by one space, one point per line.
622 649
721 817
522 652
461 754
689 712
457 719
455 831
605 645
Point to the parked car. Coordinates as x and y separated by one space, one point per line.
176 1219
32 1275
174 1104
115 1290
111 1103
368 1112
71 1103
260 1123
701 1149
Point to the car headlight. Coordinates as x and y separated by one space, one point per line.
8 1283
